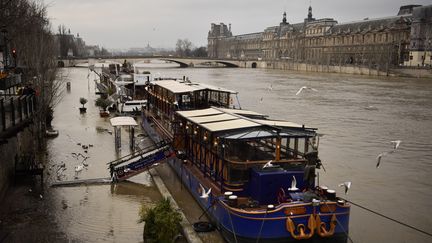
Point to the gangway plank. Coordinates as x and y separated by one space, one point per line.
95 181
135 164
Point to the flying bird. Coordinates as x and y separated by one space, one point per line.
204 194
396 144
268 164
303 88
79 168
379 157
346 185
293 184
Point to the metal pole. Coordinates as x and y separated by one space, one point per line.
3 114
132 138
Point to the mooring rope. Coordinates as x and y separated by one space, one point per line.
387 217
232 225
262 224
340 224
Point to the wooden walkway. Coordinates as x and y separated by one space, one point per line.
95 181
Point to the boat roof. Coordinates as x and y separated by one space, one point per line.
186 87
237 126
123 121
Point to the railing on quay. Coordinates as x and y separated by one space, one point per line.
15 112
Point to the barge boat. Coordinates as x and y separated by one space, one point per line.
255 177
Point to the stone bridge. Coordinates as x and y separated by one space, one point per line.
182 61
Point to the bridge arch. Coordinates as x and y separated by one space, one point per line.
228 64
254 65
182 64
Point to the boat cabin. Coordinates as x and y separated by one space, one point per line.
167 96
246 153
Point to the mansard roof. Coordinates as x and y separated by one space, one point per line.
370 25
251 36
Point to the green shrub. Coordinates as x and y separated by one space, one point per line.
162 222
103 103
83 101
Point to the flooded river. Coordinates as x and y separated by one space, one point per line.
357 115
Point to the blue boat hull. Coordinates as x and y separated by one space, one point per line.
248 227
237 225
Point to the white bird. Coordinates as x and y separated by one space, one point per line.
79 168
303 88
381 155
40 195
268 164
396 144
293 184
371 108
204 194
346 185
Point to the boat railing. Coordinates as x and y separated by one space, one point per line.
249 163
138 153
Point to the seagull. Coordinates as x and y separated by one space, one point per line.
79 168
204 194
268 164
381 155
261 100
371 108
346 185
305 87
396 144
293 184
40 195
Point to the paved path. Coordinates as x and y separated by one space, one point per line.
188 231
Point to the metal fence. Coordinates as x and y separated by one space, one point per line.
15 110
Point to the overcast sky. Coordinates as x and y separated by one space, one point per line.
134 23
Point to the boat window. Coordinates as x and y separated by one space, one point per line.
223 98
249 150
301 145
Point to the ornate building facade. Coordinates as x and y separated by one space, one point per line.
404 39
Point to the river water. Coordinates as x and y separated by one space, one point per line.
357 115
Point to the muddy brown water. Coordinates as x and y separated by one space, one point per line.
357 115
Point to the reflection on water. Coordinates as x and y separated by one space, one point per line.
357 115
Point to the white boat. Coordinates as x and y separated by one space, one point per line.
131 106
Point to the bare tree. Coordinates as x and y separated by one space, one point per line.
184 47
29 29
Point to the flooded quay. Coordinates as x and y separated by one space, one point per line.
357 115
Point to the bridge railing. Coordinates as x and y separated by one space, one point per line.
15 110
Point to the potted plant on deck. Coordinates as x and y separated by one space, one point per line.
103 105
83 101
161 223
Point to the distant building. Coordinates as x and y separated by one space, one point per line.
404 39
69 45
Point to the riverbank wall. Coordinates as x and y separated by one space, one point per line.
10 151
343 69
